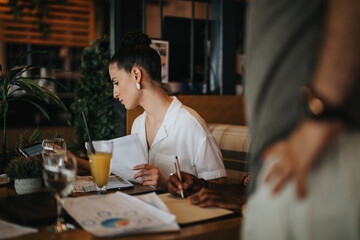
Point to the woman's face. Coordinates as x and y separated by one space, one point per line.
124 86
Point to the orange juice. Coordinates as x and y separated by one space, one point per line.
100 167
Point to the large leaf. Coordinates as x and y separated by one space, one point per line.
31 87
18 71
10 75
47 79
40 108
43 94
55 100
15 73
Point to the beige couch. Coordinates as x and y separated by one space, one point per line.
234 143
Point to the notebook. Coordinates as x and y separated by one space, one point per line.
187 213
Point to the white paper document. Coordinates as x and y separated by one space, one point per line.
10 230
154 200
127 153
118 214
86 184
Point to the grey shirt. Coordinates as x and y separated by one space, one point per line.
281 48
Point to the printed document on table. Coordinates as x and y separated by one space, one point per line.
127 153
118 214
86 183
10 230
154 200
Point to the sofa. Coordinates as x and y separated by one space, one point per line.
226 119
234 143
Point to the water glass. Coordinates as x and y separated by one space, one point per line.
59 174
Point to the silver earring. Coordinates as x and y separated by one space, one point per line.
138 86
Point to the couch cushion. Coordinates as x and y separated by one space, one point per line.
234 143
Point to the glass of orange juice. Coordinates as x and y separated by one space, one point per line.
100 163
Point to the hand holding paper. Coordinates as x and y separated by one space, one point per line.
127 153
150 175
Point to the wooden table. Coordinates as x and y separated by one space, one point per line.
224 228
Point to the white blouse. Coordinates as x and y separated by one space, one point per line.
183 134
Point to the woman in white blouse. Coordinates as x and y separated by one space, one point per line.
167 128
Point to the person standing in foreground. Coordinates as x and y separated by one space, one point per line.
305 140
302 94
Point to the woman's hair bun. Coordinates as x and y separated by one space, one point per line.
135 38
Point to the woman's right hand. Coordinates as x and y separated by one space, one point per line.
150 176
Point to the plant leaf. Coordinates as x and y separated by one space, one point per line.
55 100
40 108
36 136
33 88
48 79
23 69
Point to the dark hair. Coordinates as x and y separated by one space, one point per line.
134 50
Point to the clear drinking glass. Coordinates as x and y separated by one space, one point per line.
53 145
100 164
59 176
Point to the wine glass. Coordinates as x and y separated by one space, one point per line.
59 175
100 163
53 145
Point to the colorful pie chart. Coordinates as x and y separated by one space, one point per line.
115 222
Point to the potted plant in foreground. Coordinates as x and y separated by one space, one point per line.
12 81
26 171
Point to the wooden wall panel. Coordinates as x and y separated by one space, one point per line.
71 24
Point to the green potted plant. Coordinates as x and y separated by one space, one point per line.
12 81
26 171
93 95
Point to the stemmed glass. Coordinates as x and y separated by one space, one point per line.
100 163
59 175
53 145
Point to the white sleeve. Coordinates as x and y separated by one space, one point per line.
209 162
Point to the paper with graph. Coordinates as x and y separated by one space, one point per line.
119 214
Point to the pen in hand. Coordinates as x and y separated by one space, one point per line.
178 173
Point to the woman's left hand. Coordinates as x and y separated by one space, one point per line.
150 176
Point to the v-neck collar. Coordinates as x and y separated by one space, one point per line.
169 119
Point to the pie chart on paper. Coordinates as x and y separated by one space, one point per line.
115 222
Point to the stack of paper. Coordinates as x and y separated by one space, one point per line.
86 184
120 214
